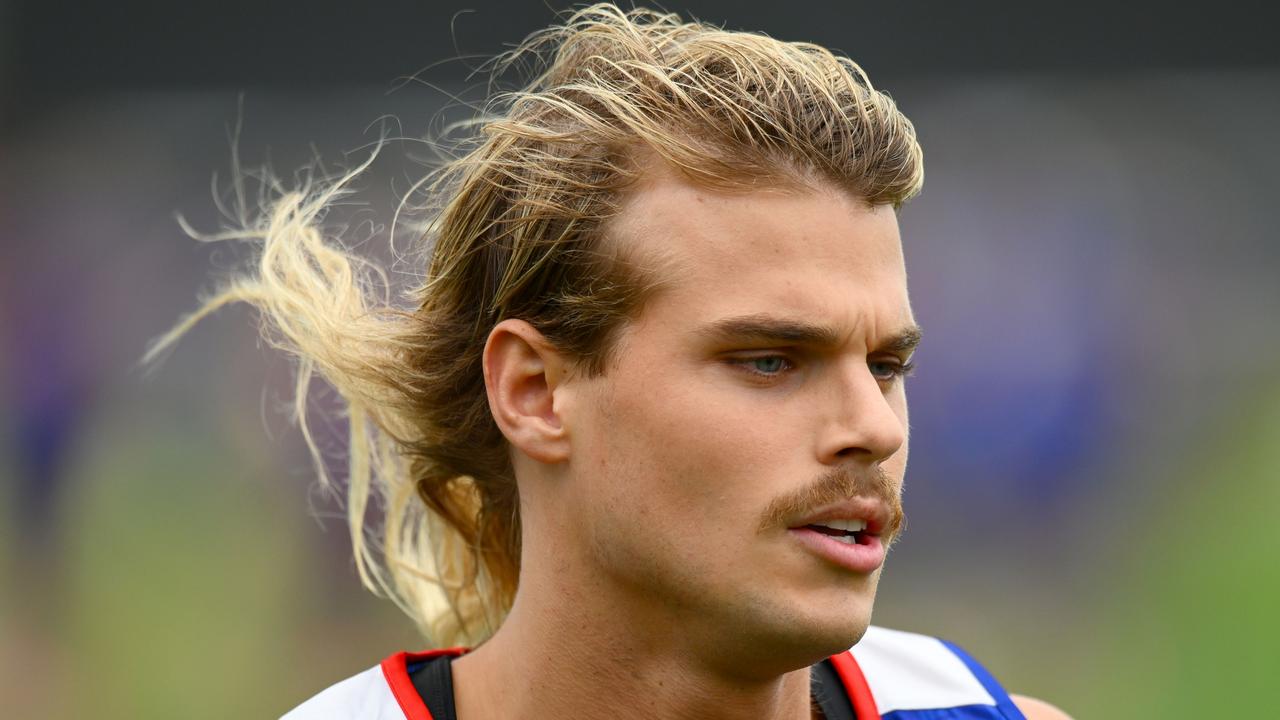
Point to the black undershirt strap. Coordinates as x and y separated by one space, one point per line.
829 693
433 679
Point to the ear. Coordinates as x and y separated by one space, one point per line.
521 373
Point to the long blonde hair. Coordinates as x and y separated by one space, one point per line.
516 229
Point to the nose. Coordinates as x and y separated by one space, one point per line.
860 424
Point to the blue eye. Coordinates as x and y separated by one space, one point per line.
888 371
764 366
771 365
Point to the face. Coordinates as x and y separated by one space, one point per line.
757 395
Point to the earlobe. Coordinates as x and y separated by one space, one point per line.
522 372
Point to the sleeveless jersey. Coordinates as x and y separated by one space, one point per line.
888 675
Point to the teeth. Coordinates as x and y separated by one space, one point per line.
846 525
846 539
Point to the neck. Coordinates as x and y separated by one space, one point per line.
562 652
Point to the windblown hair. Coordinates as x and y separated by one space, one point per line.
519 230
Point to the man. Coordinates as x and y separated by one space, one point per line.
642 441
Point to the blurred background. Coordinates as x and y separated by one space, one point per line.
1096 440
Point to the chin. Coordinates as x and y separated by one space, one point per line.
788 636
830 632
833 619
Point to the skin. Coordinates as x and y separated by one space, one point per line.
653 582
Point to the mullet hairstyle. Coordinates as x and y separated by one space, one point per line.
516 228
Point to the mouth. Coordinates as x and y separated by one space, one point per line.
849 532
847 535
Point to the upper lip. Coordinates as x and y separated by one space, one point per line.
869 510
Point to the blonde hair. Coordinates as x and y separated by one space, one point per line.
518 230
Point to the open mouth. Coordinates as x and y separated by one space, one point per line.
850 532
847 543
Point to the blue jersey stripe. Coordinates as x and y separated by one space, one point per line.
964 712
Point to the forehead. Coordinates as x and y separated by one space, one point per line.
819 255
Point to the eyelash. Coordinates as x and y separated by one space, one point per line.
897 370
746 365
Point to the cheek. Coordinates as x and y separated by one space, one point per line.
899 459
677 460
672 493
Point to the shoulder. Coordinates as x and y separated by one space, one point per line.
1038 709
365 696
914 673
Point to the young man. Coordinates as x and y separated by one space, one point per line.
642 440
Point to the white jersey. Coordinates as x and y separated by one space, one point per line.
888 675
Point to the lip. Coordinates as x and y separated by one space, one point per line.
869 510
860 558
864 557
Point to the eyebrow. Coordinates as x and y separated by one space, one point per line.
767 328
903 341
